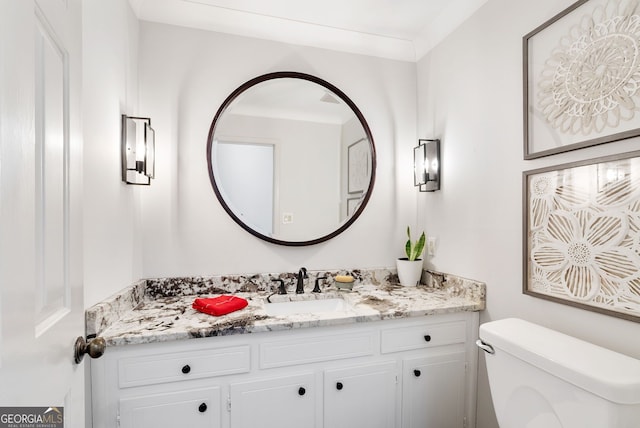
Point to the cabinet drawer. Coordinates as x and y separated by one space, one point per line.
152 369
312 349
422 336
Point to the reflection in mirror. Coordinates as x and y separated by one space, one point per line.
291 158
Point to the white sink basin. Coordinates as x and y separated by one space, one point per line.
308 307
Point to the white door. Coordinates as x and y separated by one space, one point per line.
246 174
41 298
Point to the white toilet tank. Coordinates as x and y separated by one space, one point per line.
540 378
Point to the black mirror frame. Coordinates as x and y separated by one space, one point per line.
295 75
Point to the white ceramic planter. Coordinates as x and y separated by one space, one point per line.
409 272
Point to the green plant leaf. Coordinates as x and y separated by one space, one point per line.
414 250
420 245
408 247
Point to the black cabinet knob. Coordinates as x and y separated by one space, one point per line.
427 338
339 386
186 369
301 391
417 373
202 408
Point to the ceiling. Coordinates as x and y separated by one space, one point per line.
396 29
292 99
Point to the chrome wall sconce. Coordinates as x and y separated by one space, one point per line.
138 150
426 164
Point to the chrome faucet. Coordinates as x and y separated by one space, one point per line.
302 275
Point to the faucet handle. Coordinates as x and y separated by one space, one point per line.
281 288
316 288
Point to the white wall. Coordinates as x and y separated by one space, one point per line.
307 170
111 226
470 96
185 75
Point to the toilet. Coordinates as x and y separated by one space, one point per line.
540 378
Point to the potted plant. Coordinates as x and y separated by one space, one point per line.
410 267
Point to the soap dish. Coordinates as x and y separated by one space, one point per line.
344 282
344 286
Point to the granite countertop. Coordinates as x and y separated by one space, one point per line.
160 310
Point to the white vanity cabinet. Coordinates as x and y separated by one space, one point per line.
411 372
164 385
435 368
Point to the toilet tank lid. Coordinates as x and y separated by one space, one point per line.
608 374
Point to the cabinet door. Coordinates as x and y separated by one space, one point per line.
192 408
361 396
433 391
287 402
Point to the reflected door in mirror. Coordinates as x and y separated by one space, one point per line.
247 171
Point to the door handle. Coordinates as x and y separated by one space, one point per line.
94 347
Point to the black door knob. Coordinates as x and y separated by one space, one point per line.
186 369
202 408
417 373
339 386
427 338
301 391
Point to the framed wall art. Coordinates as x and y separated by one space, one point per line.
581 78
582 234
358 166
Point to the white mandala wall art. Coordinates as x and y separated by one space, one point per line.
591 80
582 77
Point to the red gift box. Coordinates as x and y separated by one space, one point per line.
220 305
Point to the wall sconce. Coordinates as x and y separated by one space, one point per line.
426 164
138 150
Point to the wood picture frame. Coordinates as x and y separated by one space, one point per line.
581 227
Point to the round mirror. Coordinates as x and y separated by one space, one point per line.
291 158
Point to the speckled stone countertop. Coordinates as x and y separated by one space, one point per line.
159 310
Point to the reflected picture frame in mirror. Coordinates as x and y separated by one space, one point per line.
302 182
